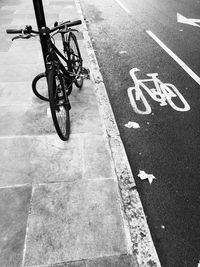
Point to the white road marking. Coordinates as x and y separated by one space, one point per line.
163 93
175 57
123 6
189 21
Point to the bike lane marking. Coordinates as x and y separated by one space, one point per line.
123 6
161 93
175 57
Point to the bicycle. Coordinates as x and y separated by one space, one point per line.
164 93
60 78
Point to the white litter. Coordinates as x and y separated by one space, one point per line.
123 52
132 124
143 175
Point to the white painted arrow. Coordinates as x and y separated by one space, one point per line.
182 19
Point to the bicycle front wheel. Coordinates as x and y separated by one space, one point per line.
75 61
59 104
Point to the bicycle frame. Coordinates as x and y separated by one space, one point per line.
53 52
62 68
48 48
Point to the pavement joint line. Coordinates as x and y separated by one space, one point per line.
60 264
15 104
25 136
14 186
58 182
82 155
22 82
44 135
75 181
143 248
27 224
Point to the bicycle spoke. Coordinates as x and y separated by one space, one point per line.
59 104
74 59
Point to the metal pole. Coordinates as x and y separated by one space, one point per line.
41 23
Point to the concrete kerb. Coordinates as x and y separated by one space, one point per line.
141 241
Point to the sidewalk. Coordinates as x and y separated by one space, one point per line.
68 203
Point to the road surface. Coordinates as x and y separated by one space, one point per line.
161 134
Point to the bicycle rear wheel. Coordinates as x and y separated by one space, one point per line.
59 104
39 86
75 61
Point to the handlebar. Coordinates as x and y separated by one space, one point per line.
25 31
67 23
29 30
13 31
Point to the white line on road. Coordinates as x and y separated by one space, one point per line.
123 6
182 19
175 57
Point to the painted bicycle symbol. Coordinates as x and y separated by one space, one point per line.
163 93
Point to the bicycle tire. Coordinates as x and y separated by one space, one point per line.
75 61
34 86
59 104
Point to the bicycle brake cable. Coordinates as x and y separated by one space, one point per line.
23 36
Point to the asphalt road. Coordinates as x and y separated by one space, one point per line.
167 142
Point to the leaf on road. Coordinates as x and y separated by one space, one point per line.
143 175
132 124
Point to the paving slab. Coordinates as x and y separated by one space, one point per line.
9 3
31 14
28 48
20 73
13 58
6 13
85 118
69 13
5 43
85 94
22 119
14 6
14 207
74 221
98 162
40 159
16 93
4 21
